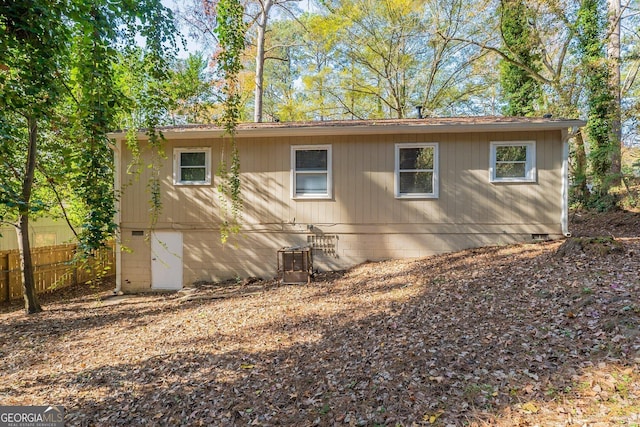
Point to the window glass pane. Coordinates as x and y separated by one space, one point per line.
511 170
311 183
193 174
515 153
192 159
416 158
314 160
416 182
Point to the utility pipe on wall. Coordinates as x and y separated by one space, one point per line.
564 215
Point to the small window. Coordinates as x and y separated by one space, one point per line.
513 161
311 171
416 170
192 166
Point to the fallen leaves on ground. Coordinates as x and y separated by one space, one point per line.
511 335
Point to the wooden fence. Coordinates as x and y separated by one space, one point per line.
55 267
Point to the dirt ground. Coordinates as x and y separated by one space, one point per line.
544 334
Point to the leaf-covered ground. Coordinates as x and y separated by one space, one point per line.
520 335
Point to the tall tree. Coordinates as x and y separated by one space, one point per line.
57 83
393 57
261 27
193 94
454 73
260 12
613 54
317 57
33 43
522 92
630 73
202 16
556 28
382 58
592 29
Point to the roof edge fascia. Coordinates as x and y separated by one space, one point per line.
342 130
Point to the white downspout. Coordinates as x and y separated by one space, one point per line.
117 162
564 215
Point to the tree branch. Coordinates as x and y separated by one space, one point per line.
504 56
51 183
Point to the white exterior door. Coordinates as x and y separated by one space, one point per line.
166 260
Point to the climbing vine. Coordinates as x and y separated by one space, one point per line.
521 90
59 98
600 97
230 30
143 76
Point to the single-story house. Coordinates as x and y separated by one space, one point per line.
352 190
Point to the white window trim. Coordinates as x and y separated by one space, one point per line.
436 177
177 166
530 164
329 193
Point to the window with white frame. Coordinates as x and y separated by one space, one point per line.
513 161
416 170
311 171
192 166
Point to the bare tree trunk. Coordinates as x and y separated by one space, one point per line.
259 91
31 304
613 52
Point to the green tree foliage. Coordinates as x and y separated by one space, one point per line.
550 34
569 37
348 59
29 90
521 91
381 63
388 57
283 99
203 19
59 97
193 95
600 99
261 13
316 56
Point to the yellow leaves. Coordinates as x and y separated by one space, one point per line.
529 408
247 366
432 418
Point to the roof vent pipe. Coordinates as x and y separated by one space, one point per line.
419 110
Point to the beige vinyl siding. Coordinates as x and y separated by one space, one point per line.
363 186
368 222
136 260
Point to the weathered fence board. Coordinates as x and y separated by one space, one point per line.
55 267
